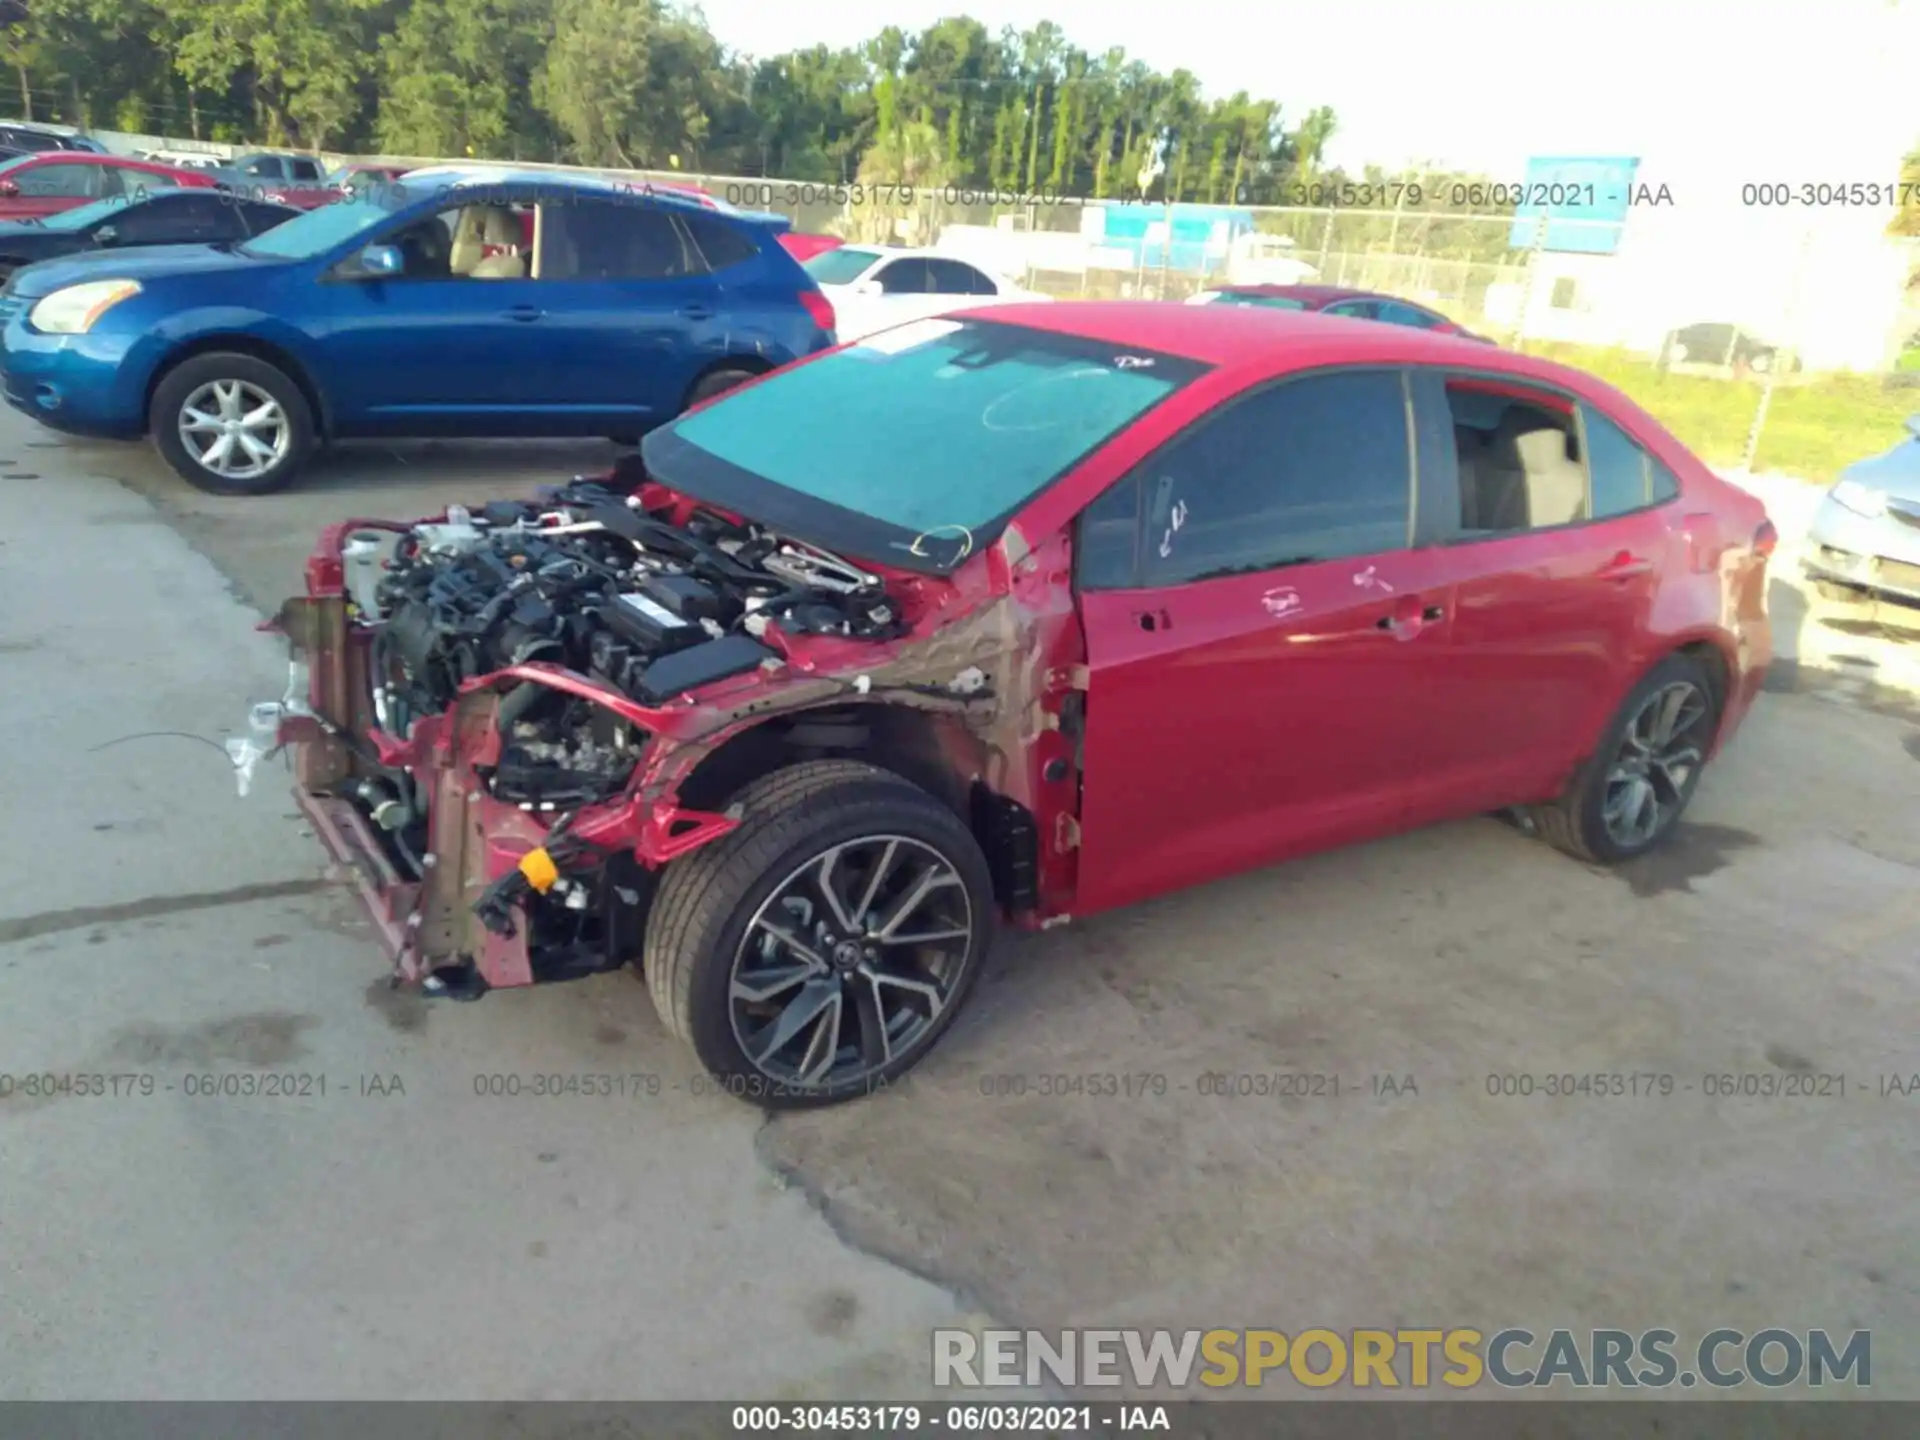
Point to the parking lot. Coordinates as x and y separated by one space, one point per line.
430 1240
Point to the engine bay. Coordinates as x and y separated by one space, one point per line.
588 580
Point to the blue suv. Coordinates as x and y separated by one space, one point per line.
504 304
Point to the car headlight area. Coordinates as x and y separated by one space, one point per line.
1861 499
75 309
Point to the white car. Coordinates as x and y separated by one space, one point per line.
874 287
185 159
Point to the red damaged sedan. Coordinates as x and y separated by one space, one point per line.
1007 619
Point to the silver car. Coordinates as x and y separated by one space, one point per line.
1865 539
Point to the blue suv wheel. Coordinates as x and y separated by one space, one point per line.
231 424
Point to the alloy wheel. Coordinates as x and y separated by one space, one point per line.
235 429
851 961
1660 753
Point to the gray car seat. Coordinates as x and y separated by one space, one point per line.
1529 478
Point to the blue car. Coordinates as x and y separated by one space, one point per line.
1864 543
496 304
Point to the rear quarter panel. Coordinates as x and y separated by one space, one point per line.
1715 589
761 298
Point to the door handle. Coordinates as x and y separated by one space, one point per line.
1153 620
696 312
1625 566
525 312
1409 617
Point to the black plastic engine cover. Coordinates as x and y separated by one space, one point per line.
674 675
648 626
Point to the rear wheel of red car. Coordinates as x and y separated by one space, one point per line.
1629 796
819 951
231 424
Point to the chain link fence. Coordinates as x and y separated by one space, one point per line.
1766 339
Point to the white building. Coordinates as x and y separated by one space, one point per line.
1821 276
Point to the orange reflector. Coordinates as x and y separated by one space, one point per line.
538 867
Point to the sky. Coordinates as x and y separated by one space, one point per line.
1793 90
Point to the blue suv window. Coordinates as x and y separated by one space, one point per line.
721 243
600 240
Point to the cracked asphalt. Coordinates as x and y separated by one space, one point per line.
406 1235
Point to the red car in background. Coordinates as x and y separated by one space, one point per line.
804 247
55 180
1337 300
359 174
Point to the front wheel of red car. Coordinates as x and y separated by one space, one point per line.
231 424
817 952
1629 796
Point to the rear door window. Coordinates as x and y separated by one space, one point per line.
905 277
1519 462
721 243
259 216
1394 313
66 182
609 240
951 277
1623 475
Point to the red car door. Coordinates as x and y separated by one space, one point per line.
47 184
1257 629
1556 541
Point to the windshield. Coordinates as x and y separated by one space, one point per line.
318 231
839 267
959 424
1267 302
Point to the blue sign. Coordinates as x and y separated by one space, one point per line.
1585 199
1198 239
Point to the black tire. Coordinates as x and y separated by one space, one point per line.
708 902
1576 823
714 384
192 375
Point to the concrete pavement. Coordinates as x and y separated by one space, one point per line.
380 1230
445 1244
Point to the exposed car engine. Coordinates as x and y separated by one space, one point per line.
587 580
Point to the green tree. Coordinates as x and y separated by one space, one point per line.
589 83
1906 218
301 59
458 77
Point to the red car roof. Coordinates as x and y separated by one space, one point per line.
117 162
1276 340
1312 295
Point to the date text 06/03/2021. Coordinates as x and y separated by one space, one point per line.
997 1419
